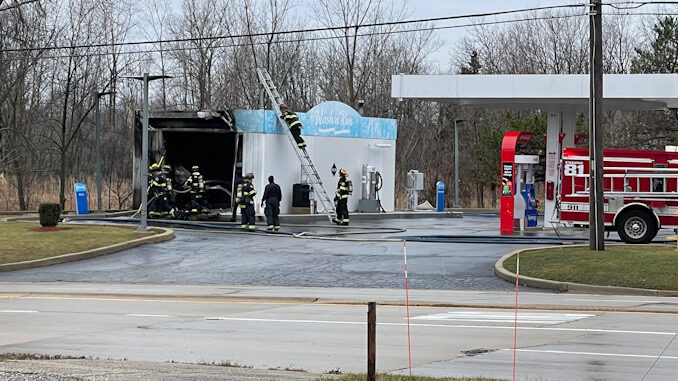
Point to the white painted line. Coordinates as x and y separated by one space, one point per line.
454 326
507 317
597 354
613 300
19 311
147 315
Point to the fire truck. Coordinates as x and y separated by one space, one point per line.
640 191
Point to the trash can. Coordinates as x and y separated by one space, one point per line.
440 200
81 198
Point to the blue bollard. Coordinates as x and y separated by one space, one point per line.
440 200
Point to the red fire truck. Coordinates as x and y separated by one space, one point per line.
640 188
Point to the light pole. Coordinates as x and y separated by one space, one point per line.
143 227
98 127
456 162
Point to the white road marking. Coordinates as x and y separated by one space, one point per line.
457 326
596 354
19 311
506 317
613 300
147 315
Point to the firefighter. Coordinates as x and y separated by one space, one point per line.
246 201
294 124
272 196
196 186
158 205
344 188
167 172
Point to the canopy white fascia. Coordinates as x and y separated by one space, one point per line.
560 95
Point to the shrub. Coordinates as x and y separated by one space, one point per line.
49 214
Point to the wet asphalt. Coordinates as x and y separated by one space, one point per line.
198 257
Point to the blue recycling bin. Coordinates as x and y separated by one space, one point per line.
81 198
440 200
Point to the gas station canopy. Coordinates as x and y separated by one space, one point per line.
561 96
540 91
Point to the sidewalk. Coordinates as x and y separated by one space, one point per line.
301 295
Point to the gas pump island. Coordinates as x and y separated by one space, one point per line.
518 201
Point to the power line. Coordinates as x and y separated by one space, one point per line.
17 5
308 39
311 30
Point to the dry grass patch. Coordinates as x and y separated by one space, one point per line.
19 242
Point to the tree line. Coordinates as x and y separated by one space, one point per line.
56 55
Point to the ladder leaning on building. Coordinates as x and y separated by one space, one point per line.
308 168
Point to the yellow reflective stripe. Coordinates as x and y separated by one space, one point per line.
292 124
345 219
344 196
343 188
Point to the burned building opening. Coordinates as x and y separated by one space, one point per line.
182 140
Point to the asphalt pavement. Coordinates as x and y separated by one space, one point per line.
195 257
567 341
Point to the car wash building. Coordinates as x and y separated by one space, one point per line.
228 144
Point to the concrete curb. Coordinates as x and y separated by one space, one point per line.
579 288
164 235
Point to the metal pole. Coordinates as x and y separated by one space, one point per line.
456 166
98 126
144 161
596 212
371 340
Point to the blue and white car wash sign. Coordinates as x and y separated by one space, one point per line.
81 198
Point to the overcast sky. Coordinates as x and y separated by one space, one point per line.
441 8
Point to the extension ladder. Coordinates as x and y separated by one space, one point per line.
308 169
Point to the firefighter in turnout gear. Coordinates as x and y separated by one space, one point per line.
158 205
272 196
344 188
246 202
294 124
196 186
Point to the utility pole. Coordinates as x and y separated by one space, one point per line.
98 143
143 225
596 211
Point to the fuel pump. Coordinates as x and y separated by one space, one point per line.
525 189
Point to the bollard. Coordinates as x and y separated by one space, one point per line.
440 200
371 340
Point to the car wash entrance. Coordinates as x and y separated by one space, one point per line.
182 140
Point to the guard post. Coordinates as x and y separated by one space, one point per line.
440 200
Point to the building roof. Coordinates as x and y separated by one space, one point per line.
620 91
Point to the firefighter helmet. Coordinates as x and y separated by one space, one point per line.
284 106
342 172
249 176
195 168
154 167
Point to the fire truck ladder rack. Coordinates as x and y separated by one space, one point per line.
627 182
308 169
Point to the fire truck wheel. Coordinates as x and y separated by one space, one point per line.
637 226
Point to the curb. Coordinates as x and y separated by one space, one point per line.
580 288
164 235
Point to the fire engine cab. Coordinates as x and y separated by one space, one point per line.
640 191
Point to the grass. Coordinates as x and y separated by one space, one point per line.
641 266
388 377
19 243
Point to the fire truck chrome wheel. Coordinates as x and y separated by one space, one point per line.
635 227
